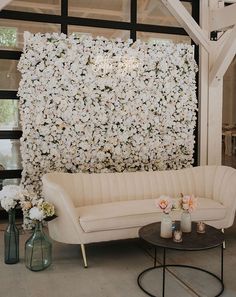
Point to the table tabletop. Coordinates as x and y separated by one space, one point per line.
192 241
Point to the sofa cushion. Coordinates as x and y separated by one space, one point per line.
137 213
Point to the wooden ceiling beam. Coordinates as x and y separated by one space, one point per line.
187 22
223 18
4 3
224 58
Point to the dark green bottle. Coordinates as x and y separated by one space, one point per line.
11 240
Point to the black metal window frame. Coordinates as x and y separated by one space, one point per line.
65 20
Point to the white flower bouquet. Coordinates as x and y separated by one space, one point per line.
43 211
9 197
35 209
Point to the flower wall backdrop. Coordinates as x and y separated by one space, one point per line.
98 105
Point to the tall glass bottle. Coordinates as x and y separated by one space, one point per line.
186 222
11 240
38 250
166 226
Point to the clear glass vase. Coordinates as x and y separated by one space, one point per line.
166 226
38 250
11 240
186 222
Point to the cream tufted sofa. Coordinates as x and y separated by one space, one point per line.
111 206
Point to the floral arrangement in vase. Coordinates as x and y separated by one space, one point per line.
165 203
9 198
188 203
38 248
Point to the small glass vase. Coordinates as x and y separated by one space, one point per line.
186 222
11 240
38 250
166 226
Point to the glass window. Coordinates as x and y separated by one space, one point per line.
108 33
39 6
12 32
8 37
10 76
151 37
12 181
10 157
154 12
118 10
9 115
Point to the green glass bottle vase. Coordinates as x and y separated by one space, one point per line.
38 250
11 240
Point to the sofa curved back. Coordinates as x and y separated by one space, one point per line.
69 192
204 181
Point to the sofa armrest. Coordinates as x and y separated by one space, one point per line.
225 192
65 228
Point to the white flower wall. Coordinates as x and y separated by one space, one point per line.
98 105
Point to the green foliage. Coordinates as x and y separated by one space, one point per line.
8 108
8 36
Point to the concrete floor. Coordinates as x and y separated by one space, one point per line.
113 270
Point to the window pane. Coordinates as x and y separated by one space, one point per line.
10 76
151 37
8 37
9 115
108 33
12 181
118 10
154 12
39 6
11 32
10 157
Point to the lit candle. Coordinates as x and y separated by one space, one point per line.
201 227
177 236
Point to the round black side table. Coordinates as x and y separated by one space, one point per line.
191 242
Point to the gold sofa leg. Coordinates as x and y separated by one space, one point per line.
223 231
84 255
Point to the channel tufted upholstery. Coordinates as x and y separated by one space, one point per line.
110 206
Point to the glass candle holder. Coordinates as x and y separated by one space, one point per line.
201 227
177 236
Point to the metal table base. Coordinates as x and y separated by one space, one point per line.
164 266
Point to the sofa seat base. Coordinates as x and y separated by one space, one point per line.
137 213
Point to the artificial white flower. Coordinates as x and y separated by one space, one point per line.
9 196
10 191
8 203
36 214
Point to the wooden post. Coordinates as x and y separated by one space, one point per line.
203 89
215 123
215 58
